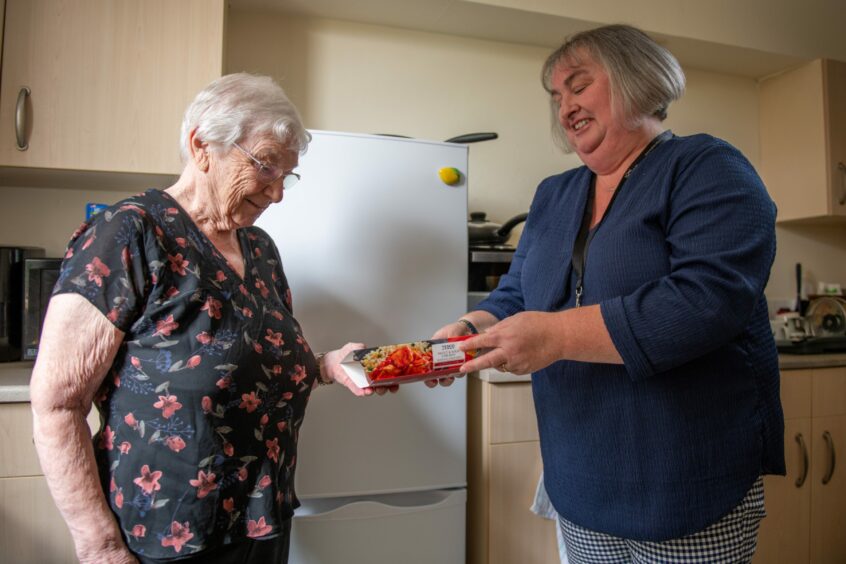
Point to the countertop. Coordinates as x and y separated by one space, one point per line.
785 362
14 376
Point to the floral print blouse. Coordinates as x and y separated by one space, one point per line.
200 411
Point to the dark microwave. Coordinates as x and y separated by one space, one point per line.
39 277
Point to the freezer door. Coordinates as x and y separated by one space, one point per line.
374 246
419 528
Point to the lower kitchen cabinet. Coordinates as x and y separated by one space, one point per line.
504 467
31 528
806 509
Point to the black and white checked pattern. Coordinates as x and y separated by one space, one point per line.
731 540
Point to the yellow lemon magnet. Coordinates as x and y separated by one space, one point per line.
450 175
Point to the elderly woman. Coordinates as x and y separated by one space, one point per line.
635 299
173 315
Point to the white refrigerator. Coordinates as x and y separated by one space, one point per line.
374 245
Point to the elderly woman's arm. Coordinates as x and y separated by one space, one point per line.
78 345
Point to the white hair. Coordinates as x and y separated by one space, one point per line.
238 106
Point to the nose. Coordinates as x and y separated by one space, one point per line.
566 107
275 191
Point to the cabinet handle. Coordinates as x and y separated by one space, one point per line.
842 168
801 479
830 442
20 119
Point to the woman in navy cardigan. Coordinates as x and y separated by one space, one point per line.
636 301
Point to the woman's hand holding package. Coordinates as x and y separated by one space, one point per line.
520 344
330 370
529 341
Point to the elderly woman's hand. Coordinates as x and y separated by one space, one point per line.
330 369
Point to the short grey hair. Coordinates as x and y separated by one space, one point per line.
238 106
644 76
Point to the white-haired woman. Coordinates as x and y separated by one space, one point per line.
635 299
173 315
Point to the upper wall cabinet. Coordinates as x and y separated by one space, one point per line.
803 141
101 85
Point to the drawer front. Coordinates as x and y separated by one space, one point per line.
32 530
17 450
829 392
796 393
515 533
512 412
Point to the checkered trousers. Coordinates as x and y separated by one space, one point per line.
731 540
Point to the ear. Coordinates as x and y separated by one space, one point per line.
199 151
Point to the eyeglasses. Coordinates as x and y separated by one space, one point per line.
268 174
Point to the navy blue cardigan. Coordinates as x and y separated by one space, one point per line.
670 441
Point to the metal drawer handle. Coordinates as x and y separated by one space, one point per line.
801 479
20 119
830 442
842 168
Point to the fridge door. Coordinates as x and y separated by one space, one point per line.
419 528
374 246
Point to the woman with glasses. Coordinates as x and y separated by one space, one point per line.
173 316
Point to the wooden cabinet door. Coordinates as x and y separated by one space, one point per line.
32 530
793 145
835 76
828 501
515 534
109 80
784 534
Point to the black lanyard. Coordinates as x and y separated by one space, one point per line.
585 235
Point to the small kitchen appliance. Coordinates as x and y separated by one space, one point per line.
39 278
821 330
11 298
490 254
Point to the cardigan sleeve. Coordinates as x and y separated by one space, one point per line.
720 236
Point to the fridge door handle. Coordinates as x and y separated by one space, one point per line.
373 509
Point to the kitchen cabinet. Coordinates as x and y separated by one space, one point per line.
31 528
108 81
803 141
806 509
504 466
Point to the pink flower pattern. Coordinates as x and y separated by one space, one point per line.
212 386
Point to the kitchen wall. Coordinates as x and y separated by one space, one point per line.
368 78
376 79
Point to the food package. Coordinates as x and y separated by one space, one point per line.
407 362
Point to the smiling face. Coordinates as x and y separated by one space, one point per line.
241 195
581 89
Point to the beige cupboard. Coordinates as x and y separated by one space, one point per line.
504 465
101 85
803 140
31 528
806 510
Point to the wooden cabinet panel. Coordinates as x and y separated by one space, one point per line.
32 530
802 140
784 533
828 501
516 534
807 524
17 451
835 88
796 393
109 80
512 413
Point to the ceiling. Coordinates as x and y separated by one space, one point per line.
539 22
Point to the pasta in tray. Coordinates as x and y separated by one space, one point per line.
409 361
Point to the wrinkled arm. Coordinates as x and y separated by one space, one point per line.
78 345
